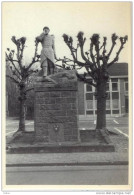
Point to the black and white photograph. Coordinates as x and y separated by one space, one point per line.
66 96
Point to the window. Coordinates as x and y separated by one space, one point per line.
115 111
108 104
89 96
126 86
115 103
88 88
112 100
95 104
115 95
89 99
114 86
89 112
108 95
89 104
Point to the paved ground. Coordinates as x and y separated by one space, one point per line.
68 175
72 168
88 158
12 125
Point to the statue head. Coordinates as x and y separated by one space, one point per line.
46 30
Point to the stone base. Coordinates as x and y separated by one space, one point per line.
61 148
56 108
28 143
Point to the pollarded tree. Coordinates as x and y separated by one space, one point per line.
20 73
96 62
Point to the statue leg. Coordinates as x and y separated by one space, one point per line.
51 67
49 70
45 68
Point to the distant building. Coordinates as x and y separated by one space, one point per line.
117 100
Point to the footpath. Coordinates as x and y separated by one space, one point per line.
52 159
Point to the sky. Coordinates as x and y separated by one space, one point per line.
28 19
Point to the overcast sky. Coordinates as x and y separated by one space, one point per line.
28 19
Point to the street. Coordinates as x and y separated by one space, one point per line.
67 175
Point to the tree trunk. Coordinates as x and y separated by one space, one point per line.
101 111
101 105
22 100
22 116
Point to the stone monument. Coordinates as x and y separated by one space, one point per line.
56 108
56 98
56 111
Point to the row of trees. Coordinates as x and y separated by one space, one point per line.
95 62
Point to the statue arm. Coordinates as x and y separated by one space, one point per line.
40 37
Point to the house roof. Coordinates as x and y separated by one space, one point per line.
118 69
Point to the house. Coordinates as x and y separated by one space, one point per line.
117 89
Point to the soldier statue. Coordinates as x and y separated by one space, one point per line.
48 54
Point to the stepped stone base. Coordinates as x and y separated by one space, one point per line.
60 148
27 143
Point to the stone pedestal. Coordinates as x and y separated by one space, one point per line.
56 108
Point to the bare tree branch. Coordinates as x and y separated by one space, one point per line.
15 73
13 79
89 73
81 41
85 80
12 61
27 90
104 46
114 38
95 42
122 41
94 69
17 42
33 62
35 55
